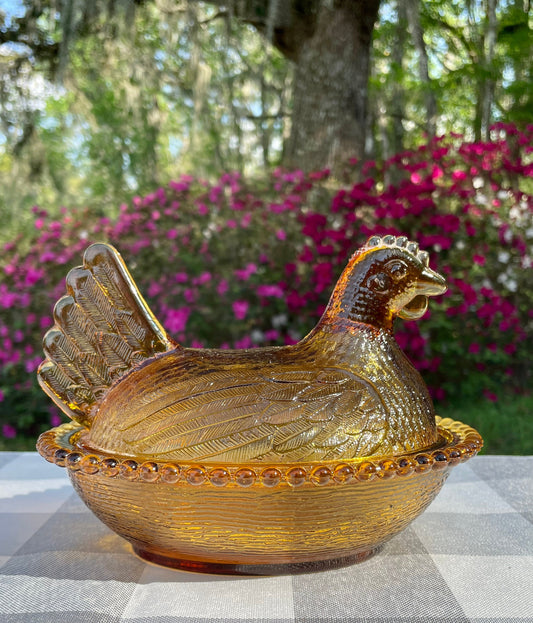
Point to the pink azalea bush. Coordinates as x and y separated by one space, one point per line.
231 266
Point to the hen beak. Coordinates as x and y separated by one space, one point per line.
430 283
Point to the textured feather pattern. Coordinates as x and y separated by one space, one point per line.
259 413
102 329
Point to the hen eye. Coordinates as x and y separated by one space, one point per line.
379 283
397 270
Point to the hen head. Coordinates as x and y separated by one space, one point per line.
388 277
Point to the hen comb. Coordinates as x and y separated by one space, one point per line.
399 241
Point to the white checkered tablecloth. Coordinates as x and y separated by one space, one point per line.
469 557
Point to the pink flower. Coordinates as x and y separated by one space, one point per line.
178 186
190 295
231 223
368 166
402 339
246 220
479 260
306 255
154 289
470 229
245 273
205 277
2 396
47 256
439 393
436 172
314 225
270 290
469 294
325 249
32 364
295 302
222 287
490 395
181 278
203 210
246 342
172 234
214 193
8 431
7 299
290 268
45 322
281 235
436 241
474 349
176 319
318 175
323 274
507 308
289 340
240 309
486 311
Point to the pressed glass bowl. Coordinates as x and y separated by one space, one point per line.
253 518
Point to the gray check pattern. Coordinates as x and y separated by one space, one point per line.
468 558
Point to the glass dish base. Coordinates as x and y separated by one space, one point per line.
258 519
283 568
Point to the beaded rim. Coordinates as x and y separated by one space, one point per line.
461 442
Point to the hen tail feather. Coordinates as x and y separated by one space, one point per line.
103 328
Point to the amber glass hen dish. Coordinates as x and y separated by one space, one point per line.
236 460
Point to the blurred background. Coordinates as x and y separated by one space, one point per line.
237 153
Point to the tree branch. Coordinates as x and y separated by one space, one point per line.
218 15
267 117
289 22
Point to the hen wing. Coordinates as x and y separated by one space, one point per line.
283 414
103 328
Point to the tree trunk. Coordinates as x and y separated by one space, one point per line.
487 91
331 85
485 82
413 13
397 114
